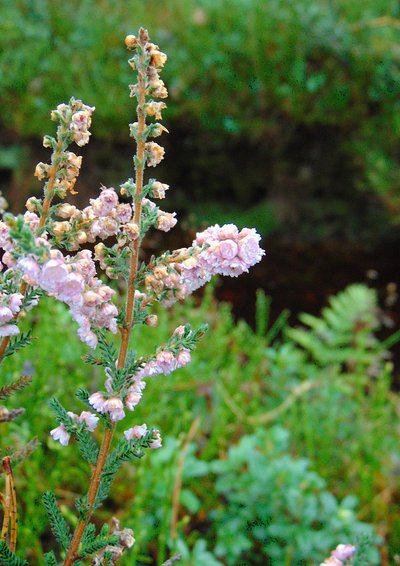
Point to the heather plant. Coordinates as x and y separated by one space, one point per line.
46 253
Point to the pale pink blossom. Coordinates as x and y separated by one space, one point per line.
88 337
137 431
9 330
157 441
98 402
31 270
59 433
5 314
71 288
115 407
228 249
8 259
89 419
179 331
32 220
132 399
344 551
183 358
53 274
340 555
137 387
15 302
166 220
123 213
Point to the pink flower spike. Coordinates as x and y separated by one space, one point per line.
98 402
61 435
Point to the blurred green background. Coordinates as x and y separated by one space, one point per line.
285 116
290 107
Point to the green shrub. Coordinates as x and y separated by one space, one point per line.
327 382
261 70
275 509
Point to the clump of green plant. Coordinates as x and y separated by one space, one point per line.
274 508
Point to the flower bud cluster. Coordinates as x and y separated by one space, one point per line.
155 61
113 553
104 217
74 121
61 434
65 177
215 251
7 245
340 555
164 363
162 220
168 358
148 60
77 117
73 281
113 405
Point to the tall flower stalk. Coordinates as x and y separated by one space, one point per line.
33 260
143 61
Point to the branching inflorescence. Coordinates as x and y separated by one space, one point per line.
45 254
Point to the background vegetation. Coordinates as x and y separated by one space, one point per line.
286 441
293 106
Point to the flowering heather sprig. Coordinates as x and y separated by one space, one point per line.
73 281
103 218
23 237
33 264
61 433
216 251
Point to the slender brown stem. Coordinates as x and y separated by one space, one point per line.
46 206
178 477
10 506
92 494
126 328
130 301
